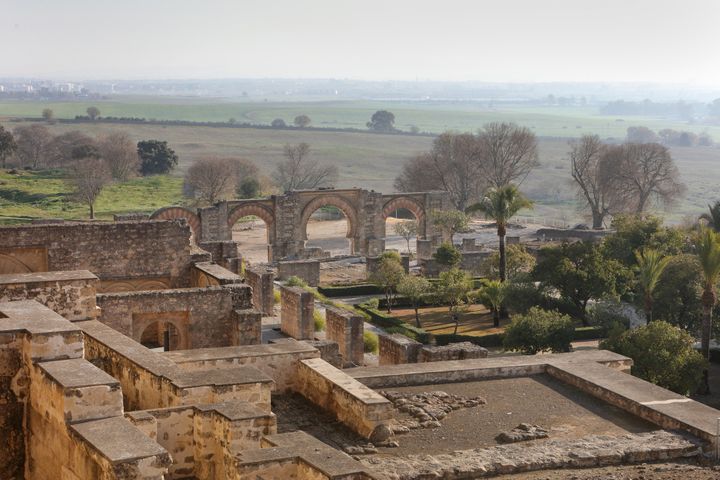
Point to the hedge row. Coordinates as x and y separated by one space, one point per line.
368 288
394 325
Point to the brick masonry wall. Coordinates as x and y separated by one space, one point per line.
296 313
346 329
110 250
203 316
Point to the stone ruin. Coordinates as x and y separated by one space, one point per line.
127 351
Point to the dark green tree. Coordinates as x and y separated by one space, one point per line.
662 354
93 112
302 121
156 157
579 272
634 233
382 121
539 331
447 255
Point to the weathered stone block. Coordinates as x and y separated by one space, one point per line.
397 349
249 327
308 270
296 313
346 328
261 282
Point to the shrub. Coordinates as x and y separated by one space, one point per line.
296 282
520 297
447 255
662 354
538 331
276 296
373 303
318 320
371 342
610 315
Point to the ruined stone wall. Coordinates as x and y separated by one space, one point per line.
397 349
203 316
358 407
296 313
70 294
278 360
150 380
261 282
346 329
207 274
110 250
248 327
224 253
453 351
308 270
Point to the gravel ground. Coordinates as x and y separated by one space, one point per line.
688 470
538 400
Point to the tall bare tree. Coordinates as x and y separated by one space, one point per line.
451 165
413 176
643 174
120 153
299 171
589 171
88 177
7 145
32 145
508 153
67 147
211 179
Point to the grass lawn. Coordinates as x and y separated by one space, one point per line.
28 195
476 321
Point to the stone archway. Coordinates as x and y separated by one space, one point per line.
144 324
170 213
329 201
256 209
408 204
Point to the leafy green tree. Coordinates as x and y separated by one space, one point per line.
156 157
713 216
501 204
382 121
407 229
453 289
388 275
278 123
415 289
447 255
650 266
249 187
677 296
633 233
662 354
708 252
492 295
539 331
449 222
48 114
579 272
519 264
302 121
7 144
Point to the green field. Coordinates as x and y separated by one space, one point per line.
432 117
44 194
364 159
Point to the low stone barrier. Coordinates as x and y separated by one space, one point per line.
452 351
361 409
592 451
398 349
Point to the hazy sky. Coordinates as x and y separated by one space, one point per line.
486 40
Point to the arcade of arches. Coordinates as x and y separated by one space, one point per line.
286 217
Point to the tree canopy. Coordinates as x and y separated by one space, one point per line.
156 157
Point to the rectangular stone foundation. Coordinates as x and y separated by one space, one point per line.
397 349
308 270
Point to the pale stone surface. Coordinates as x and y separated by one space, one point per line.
590 451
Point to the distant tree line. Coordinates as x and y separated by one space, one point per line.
669 137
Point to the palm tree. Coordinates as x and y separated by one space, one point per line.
713 218
501 204
492 295
708 251
650 266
